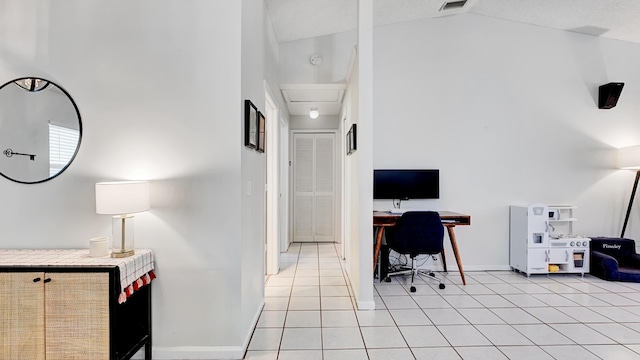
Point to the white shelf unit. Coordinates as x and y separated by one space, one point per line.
561 221
542 241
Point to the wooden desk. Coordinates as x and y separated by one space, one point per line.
450 220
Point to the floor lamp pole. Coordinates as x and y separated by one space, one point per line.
633 195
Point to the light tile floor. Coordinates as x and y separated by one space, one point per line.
309 315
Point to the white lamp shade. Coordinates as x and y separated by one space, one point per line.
122 197
629 157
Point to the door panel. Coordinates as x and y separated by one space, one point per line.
324 218
538 261
303 218
303 187
559 256
22 316
77 316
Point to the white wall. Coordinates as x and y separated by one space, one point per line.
272 81
508 113
363 115
352 211
160 86
251 251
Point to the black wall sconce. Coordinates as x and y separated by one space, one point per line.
608 95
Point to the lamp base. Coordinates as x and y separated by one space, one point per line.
122 236
122 254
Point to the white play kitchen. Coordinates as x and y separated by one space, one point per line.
542 241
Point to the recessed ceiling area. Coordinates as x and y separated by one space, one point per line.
300 98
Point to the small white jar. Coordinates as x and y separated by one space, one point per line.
99 247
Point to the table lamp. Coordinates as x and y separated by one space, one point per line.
629 158
122 199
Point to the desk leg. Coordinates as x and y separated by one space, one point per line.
454 245
376 252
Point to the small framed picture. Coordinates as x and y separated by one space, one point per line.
352 139
347 142
250 125
261 132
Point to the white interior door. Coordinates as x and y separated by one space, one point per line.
314 187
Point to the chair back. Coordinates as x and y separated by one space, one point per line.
416 232
620 248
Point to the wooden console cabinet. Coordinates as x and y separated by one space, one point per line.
71 313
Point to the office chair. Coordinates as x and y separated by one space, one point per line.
416 233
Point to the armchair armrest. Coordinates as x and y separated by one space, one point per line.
634 260
600 257
604 265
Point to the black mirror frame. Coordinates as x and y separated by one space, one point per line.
79 129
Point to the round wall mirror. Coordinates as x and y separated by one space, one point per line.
40 130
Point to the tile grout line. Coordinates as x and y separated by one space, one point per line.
286 314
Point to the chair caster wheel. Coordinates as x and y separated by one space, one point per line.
432 274
413 289
441 286
387 279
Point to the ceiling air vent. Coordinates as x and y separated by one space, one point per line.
451 5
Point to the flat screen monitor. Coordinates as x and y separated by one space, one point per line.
406 184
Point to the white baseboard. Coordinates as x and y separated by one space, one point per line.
195 353
366 305
204 352
482 268
254 324
453 268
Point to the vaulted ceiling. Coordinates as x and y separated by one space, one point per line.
300 19
614 19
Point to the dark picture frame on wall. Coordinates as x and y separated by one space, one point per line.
262 133
352 139
250 125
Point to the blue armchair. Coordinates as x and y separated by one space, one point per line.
615 259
